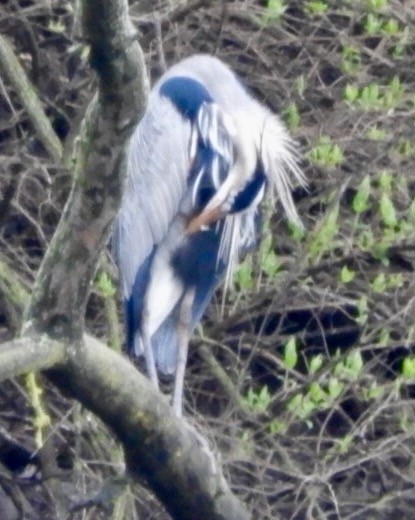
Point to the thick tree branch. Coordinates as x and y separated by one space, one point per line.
157 444
62 287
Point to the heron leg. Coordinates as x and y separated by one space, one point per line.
185 319
148 352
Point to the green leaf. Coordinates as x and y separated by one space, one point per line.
354 362
363 308
290 353
317 394
294 404
307 407
323 239
351 367
346 274
405 148
360 200
366 240
316 7
335 388
384 337
379 284
244 275
297 232
271 264
258 401
372 24
395 280
273 11
345 443
375 133
301 406
292 116
391 27
351 63
376 5
325 153
277 426
408 368
316 363
385 181
105 286
351 93
373 392
387 211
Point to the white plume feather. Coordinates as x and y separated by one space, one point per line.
280 159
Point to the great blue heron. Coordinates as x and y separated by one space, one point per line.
199 164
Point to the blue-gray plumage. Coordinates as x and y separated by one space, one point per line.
200 162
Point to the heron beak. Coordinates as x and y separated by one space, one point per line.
207 217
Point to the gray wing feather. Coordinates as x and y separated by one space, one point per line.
158 165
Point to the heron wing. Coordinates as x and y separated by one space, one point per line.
158 165
176 164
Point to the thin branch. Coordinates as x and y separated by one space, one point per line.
159 43
13 71
181 11
223 378
14 294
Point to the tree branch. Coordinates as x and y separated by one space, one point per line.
157 444
63 283
16 76
30 354
15 294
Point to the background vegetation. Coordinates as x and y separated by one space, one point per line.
302 377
